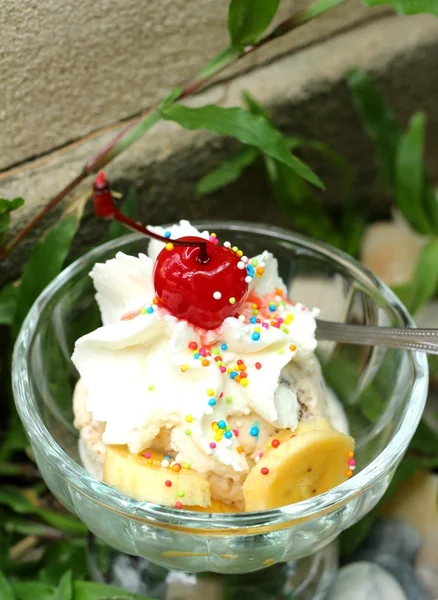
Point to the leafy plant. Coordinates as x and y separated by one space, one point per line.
299 200
6 207
38 538
400 156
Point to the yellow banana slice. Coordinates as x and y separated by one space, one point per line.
216 506
142 476
309 463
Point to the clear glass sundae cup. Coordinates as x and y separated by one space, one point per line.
383 393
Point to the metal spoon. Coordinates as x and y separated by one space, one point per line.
423 340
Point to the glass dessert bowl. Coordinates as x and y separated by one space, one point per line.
382 391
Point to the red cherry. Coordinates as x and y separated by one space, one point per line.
202 292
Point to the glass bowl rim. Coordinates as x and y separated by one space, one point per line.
158 515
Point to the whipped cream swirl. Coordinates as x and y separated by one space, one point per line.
147 372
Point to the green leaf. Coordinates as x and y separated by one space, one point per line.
377 119
14 440
425 440
5 221
33 590
8 302
407 7
171 97
6 591
17 501
17 203
228 172
425 281
316 9
248 19
61 556
7 206
254 107
44 264
410 175
64 591
253 130
219 62
86 590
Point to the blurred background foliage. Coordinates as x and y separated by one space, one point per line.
42 548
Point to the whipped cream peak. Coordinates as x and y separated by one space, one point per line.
146 372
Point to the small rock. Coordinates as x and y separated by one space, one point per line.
390 249
427 564
395 537
415 502
365 581
405 575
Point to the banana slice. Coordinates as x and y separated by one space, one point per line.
146 479
216 506
312 461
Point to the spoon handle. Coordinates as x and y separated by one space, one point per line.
423 340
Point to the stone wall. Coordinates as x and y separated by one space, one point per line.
301 80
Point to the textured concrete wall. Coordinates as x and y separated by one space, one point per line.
165 165
69 68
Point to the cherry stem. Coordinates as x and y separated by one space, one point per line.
105 207
140 125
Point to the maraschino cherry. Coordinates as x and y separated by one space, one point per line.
195 279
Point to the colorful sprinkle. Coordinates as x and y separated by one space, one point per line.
184 368
147 455
181 494
221 424
176 467
189 418
223 369
228 399
179 504
254 431
292 347
212 445
255 336
188 432
224 347
165 463
349 473
272 307
275 443
350 454
228 434
193 346
258 366
227 244
217 295
167 234
151 387
264 470
212 402
232 300
239 449
168 483
186 466
248 279
205 362
240 265
169 246
244 381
